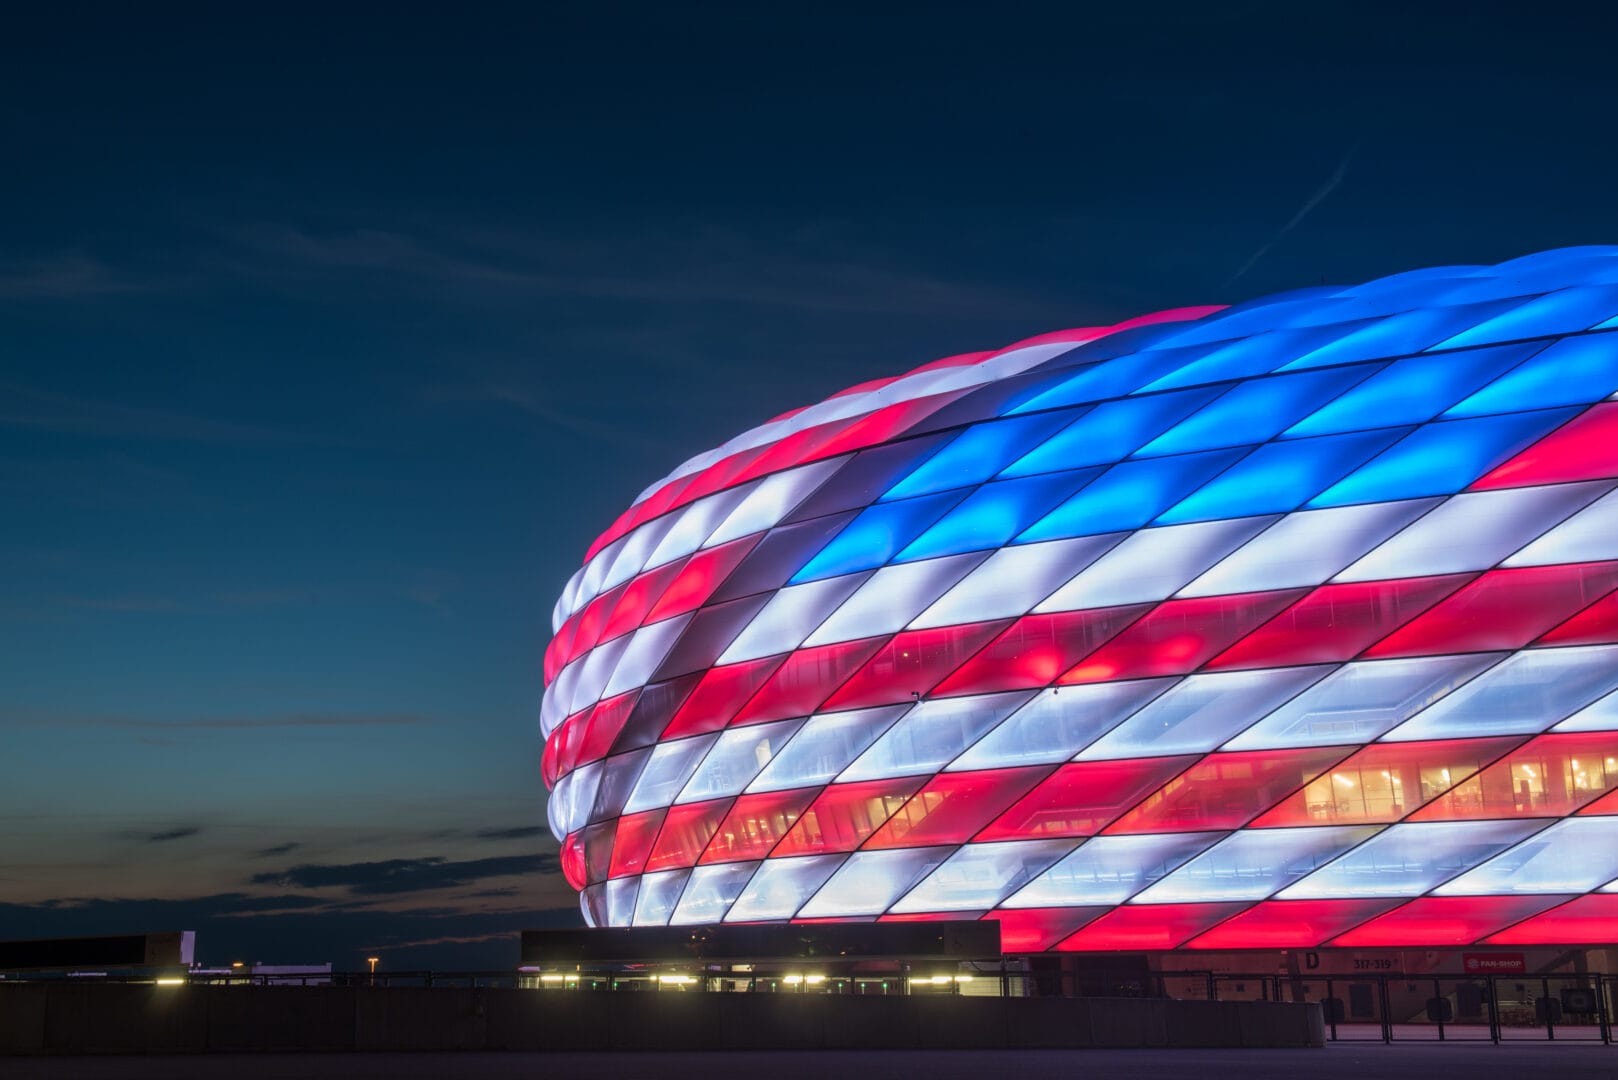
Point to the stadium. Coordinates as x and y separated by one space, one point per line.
1291 625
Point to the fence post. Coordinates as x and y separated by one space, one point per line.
1386 1008
1494 1010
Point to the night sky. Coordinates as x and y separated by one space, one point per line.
331 335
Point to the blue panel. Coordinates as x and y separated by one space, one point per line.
1107 379
1281 476
876 535
1129 495
977 454
1110 432
1257 355
995 513
1565 311
1401 335
1574 371
1256 410
1442 458
1412 391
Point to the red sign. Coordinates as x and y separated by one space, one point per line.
1493 963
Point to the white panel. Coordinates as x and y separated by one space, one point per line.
1014 579
710 892
736 758
824 746
872 880
789 617
671 766
1254 863
1591 535
1526 693
646 649
568 808
1601 715
1153 564
781 886
931 734
1472 531
658 895
892 597
1307 548
1110 869
979 876
1409 859
1058 723
618 777
1202 712
772 499
634 550
595 668
621 894
694 523
595 571
1572 856
1360 702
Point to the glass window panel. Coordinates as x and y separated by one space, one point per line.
646 649
1589 918
778 556
633 843
1290 924
1014 579
699 576
718 696
1360 702
781 886
1442 457
1111 869
979 876
790 616
1595 625
1251 865
1130 494
865 476
1110 378
1148 928
1111 432
1179 636
621 901
685 833
710 892
590 674
1083 798
843 816
1435 921
1410 859
995 513
1564 311
1572 856
772 499
1401 334
978 453
1573 371
1058 724
877 535
1035 650
1201 712
951 807
911 664
709 633
1257 410
892 597
1583 449
658 895
1308 548
1153 564
931 734
1551 776
570 801
1412 391
696 522
824 746
1472 531
736 758
1587 536
1248 356
1526 693
618 776
1226 791
756 823
666 773
1601 715
870 881
805 679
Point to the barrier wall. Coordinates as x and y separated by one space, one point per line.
69 1018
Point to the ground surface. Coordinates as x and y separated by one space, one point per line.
1336 1062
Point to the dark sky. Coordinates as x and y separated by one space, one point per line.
330 335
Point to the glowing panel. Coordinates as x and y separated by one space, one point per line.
736 758
979 876
1583 449
1226 791
1526 693
1251 865
1408 860
870 881
1573 856
931 734
1013 580
1158 926
1433 921
709 893
781 886
891 597
824 746
1110 869
1130 494
1152 564
1586 919
1289 924
1110 431
1054 726
791 616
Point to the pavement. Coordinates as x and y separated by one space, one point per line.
1338 1061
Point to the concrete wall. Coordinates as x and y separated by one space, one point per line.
82 1017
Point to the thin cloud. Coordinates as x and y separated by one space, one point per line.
1332 183
226 723
68 276
44 410
278 849
520 832
164 836
395 876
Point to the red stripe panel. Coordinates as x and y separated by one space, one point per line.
1035 649
634 842
1551 776
591 621
1589 919
1037 929
1080 799
720 695
572 859
912 663
1180 636
686 831
550 762
1147 927
1290 924
930 916
756 823
602 726
845 814
598 843
1503 609
806 679
798 447
640 593
1336 622
885 424
953 806
1595 625
1584 448
656 707
1226 791
718 476
1444 920
700 576
1607 804
1384 782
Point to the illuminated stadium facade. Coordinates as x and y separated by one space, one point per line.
1290 625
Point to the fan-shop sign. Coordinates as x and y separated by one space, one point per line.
1506 963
